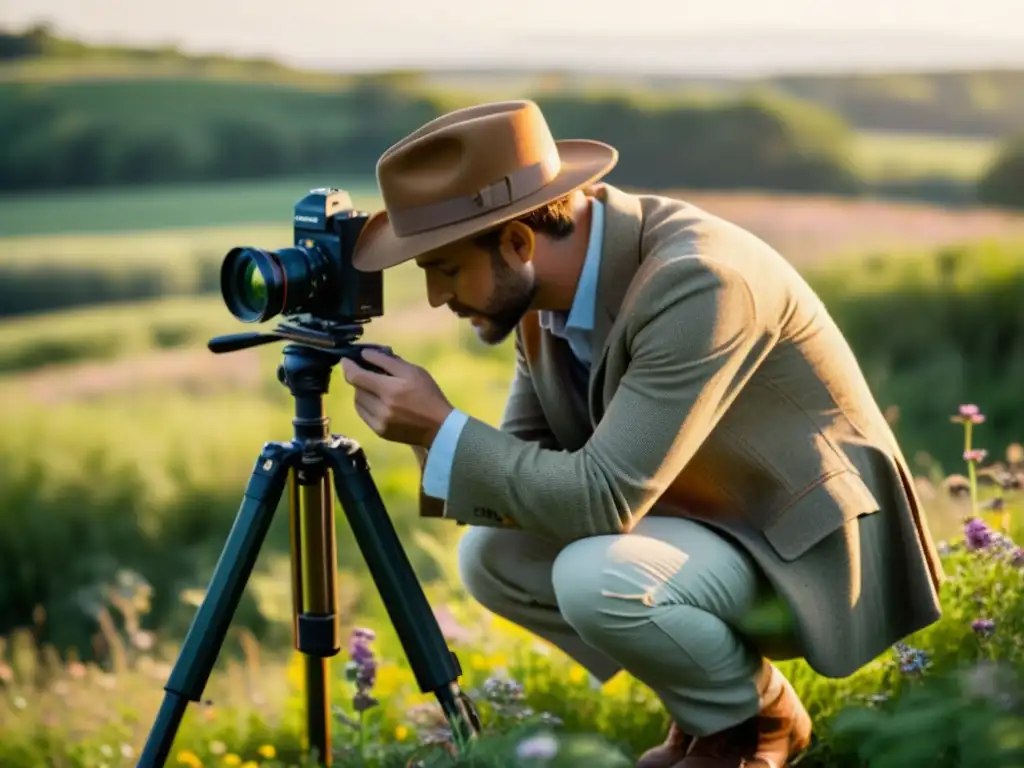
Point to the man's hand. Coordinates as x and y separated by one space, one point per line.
405 407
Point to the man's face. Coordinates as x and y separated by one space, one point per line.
492 287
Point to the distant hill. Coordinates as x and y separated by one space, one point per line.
984 104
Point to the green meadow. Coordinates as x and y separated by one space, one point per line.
125 446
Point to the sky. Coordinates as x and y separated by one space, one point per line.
655 34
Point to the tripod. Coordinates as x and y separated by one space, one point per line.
307 463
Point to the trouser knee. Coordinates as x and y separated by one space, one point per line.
490 570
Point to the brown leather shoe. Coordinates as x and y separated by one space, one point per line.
770 739
668 754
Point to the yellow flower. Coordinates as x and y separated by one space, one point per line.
401 732
250 764
295 673
390 677
577 674
497 660
189 758
478 661
231 759
267 751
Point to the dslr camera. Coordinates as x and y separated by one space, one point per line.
314 277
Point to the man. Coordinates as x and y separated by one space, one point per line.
688 442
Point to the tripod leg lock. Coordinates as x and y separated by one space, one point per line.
318 635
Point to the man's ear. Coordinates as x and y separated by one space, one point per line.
518 242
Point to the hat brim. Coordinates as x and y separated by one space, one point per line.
378 247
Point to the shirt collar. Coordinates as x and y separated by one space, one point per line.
581 314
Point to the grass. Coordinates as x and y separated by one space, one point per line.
940 685
891 155
170 206
120 330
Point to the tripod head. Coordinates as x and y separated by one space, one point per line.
317 346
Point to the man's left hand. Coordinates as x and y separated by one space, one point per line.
405 407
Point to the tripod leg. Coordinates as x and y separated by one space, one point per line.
435 666
315 592
206 634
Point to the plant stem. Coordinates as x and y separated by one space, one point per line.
362 734
971 474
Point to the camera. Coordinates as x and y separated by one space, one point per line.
314 276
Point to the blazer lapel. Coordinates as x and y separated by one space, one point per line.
620 258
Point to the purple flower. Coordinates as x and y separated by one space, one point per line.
983 627
362 669
1017 558
977 534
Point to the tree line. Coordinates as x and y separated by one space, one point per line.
71 135
192 129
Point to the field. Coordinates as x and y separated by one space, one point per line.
885 155
125 446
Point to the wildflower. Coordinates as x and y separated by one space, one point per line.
401 733
450 627
267 751
250 764
542 747
1017 558
976 455
969 414
231 759
502 691
362 669
983 627
911 660
977 534
189 758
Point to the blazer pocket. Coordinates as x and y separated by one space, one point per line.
824 508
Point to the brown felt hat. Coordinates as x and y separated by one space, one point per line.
468 171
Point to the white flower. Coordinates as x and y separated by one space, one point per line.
541 747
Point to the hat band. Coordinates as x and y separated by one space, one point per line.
515 186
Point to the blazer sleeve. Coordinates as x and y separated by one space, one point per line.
694 338
523 418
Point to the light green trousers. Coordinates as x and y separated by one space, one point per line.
665 602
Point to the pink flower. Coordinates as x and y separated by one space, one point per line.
971 413
977 455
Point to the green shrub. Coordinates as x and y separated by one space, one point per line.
933 330
1002 183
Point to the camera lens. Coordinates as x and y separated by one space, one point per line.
258 285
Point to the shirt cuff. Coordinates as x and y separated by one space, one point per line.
437 472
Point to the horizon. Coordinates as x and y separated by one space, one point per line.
701 41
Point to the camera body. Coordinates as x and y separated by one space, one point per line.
314 276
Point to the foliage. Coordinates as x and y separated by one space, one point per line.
115 132
927 327
86 490
948 696
978 103
930 328
1003 181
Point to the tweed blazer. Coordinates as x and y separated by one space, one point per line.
721 390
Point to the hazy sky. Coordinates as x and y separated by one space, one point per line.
385 31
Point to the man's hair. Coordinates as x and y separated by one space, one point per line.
553 220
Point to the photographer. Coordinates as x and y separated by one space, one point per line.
688 442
